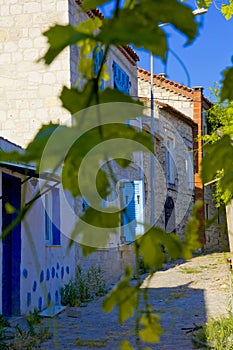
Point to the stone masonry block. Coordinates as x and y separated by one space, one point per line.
3 35
16 9
32 7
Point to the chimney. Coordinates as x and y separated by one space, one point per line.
162 75
198 88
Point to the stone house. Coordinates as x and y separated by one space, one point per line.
192 105
29 99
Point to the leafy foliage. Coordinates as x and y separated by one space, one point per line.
152 245
87 286
135 22
227 82
151 329
219 157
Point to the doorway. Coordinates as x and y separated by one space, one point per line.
11 247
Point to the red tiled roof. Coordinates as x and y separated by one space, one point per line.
166 83
171 85
126 50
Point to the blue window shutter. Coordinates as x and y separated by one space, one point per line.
56 216
98 56
128 215
120 79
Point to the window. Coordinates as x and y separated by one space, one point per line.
120 79
52 217
98 56
170 162
189 168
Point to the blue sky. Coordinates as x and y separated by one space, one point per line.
205 59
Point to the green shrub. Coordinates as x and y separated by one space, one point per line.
34 317
216 334
87 286
91 283
69 294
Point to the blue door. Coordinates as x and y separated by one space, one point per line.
11 257
132 216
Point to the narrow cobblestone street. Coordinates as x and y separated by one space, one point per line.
183 295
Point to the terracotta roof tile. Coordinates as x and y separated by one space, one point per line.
166 83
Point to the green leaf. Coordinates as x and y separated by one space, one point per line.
140 25
227 10
124 296
75 100
9 208
124 163
193 232
218 156
106 219
172 12
133 27
125 345
87 250
103 184
150 247
151 329
227 83
86 153
204 3
61 36
35 149
94 227
92 4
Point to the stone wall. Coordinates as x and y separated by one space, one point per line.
216 235
112 261
163 95
182 190
29 89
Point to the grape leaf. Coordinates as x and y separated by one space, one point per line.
151 330
125 345
227 83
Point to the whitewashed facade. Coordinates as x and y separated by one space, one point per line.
35 264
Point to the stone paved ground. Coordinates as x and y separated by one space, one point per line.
183 295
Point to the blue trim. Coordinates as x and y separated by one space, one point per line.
47 275
25 273
53 272
11 255
120 79
41 276
62 272
49 298
34 286
40 300
85 204
56 296
29 299
56 216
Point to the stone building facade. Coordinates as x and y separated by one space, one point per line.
30 89
192 104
